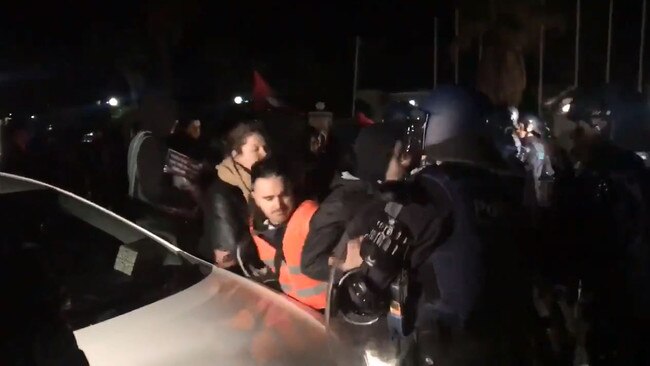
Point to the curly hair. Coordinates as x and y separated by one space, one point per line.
237 136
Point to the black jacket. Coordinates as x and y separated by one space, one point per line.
225 219
329 223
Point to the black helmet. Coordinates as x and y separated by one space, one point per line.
535 125
397 112
593 108
456 128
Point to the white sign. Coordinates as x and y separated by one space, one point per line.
125 260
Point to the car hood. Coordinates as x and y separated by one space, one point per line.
224 319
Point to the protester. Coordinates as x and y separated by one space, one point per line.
185 138
246 145
280 227
167 207
225 223
320 164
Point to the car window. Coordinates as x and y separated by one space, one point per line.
101 266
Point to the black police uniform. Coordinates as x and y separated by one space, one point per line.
477 306
611 255
448 262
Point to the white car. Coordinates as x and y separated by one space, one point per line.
134 299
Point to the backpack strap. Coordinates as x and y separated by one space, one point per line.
132 163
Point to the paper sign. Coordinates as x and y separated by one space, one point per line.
125 260
180 165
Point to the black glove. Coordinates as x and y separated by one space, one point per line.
385 247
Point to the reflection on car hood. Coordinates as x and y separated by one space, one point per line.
224 319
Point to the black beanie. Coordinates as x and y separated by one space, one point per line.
373 150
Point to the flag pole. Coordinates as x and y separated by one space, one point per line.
609 42
456 51
435 52
356 74
480 46
577 45
642 46
540 86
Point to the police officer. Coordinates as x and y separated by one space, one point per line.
534 154
441 258
610 219
501 123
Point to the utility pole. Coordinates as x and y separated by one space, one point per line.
356 74
642 46
456 50
609 42
577 46
540 85
435 52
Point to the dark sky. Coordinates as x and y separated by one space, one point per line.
65 52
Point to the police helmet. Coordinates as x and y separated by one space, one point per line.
591 111
397 112
456 128
535 125
592 108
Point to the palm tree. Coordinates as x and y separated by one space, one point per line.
507 30
166 22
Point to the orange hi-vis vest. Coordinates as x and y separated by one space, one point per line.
293 282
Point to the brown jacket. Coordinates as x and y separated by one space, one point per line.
236 175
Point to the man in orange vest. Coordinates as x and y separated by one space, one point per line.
279 228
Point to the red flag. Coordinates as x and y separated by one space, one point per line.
263 98
363 120
262 93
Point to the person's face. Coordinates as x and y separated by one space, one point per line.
521 131
274 199
398 166
194 129
253 150
317 143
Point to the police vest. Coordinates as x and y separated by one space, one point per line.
293 282
464 264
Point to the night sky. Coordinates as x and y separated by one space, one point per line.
68 52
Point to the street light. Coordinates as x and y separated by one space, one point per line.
33 117
413 102
238 100
113 102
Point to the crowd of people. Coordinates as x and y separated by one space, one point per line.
480 204
458 231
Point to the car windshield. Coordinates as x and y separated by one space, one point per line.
100 266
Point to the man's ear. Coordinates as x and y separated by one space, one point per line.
233 153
